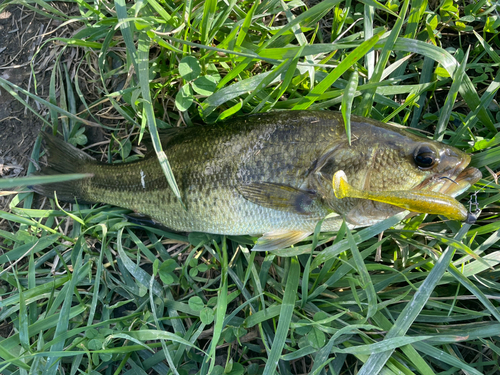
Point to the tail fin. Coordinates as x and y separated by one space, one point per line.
64 158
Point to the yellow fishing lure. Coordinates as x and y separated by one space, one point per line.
418 201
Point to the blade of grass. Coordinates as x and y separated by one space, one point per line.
209 8
444 116
472 118
489 50
301 38
22 318
425 77
285 319
220 314
246 25
161 11
375 4
307 268
368 33
166 352
151 334
273 75
9 183
127 29
366 281
222 18
98 275
143 73
51 11
286 82
51 366
323 353
474 290
347 100
138 273
447 358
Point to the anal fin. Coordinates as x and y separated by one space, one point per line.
279 239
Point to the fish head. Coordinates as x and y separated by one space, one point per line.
448 169
382 158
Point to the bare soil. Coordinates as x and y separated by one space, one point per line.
27 61
19 37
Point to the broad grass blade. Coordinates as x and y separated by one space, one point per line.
286 313
143 73
8 183
444 116
347 100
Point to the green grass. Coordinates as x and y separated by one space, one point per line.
84 291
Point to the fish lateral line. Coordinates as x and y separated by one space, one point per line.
423 202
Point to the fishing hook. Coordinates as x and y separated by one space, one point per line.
447 178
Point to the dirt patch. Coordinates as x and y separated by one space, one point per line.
19 38
26 62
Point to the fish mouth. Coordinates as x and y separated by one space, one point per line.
453 181
462 182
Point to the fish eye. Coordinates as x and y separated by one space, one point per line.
425 157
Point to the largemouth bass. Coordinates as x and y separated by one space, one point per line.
271 174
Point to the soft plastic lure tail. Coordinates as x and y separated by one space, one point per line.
424 202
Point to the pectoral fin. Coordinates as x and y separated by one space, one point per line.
279 197
279 239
